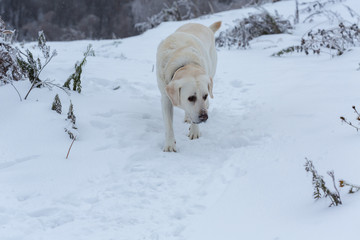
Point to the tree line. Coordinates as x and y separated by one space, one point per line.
63 20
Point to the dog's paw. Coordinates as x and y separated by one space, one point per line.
187 119
170 147
194 132
193 136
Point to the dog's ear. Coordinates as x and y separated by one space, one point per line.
210 87
173 91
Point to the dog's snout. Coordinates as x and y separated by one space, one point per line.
203 116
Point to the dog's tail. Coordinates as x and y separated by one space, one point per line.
215 26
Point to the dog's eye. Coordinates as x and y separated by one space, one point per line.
192 98
205 96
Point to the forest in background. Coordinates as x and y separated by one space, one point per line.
64 20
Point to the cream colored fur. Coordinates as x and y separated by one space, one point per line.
186 64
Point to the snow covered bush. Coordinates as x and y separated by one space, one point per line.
344 120
334 41
178 11
56 106
313 6
320 188
319 8
71 129
9 68
76 76
251 27
33 67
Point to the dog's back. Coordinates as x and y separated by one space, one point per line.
187 44
203 33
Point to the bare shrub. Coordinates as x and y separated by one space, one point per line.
33 67
320 188
75 78
320 8
178 11
335 41
251 27
56 105
71 129
9 68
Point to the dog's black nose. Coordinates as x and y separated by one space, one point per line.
203 117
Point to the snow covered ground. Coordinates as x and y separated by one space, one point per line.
243 179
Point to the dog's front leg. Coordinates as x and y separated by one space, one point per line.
187 118
194 132
167 109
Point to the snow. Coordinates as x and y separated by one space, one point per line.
243 179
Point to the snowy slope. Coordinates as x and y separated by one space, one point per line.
243 179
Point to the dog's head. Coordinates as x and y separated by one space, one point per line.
191 93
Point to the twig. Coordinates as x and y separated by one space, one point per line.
32 86
353 188
296 18
49 84
356 112
352 12
349 123
16 90
332 175
70 147
37 75
329 14
211 8
54 53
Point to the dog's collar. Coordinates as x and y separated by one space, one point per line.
182 66
173 75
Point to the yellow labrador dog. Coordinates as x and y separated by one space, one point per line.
185 66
